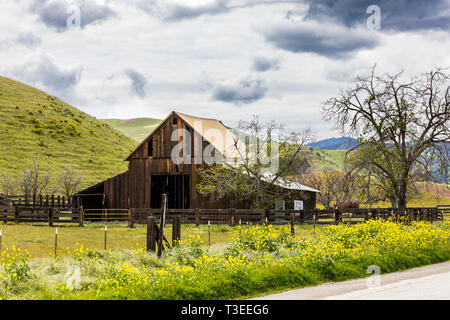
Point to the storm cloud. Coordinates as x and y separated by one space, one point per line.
398 15
262 64
328 40
55 13
246 90
139 84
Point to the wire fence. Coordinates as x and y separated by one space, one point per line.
40 240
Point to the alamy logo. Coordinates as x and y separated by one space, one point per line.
374 281
224 147
374 20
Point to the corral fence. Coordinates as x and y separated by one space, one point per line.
39 214
106 215
278 217
444 211
30 213
36 201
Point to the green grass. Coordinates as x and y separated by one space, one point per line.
137 129
37 126
39 240
259 260
328 160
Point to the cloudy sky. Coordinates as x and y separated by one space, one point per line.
225 59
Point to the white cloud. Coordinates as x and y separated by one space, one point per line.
187 62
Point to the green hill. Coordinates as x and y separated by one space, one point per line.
137 129
327 160
37 126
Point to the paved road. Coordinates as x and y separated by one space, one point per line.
424 283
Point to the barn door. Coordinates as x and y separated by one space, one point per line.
177 188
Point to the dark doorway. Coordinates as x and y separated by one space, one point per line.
177 188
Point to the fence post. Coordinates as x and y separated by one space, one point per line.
56 242
131 218
292 223
80 217
197 217
176 230
162 223
337 216
232 212
50 217
16 215
151 234
266 217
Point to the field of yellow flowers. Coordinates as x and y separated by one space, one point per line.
259 259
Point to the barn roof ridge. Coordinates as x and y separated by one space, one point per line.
183 116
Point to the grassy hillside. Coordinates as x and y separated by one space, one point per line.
37 126
137 129
328 160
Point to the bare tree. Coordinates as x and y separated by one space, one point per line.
69 181
402 126
252 177
33 181
335 187
9 185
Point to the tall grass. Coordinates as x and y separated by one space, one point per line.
259 259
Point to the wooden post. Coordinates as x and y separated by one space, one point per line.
292 223
131 218
176 230
232 213
209 233
53 200
80 217
50 217
266 216
16 215
46 200
162 222
56 242
197 217
40 200
106 231
151 234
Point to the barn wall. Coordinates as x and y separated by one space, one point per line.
116 192
142 167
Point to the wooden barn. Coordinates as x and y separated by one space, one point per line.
151 171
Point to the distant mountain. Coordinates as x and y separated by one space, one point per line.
343 143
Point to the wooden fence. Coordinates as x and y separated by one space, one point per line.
54 214
258 216
50 215
35 201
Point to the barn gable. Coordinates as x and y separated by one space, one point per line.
158 143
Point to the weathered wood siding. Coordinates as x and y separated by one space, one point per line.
116 191
132 189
